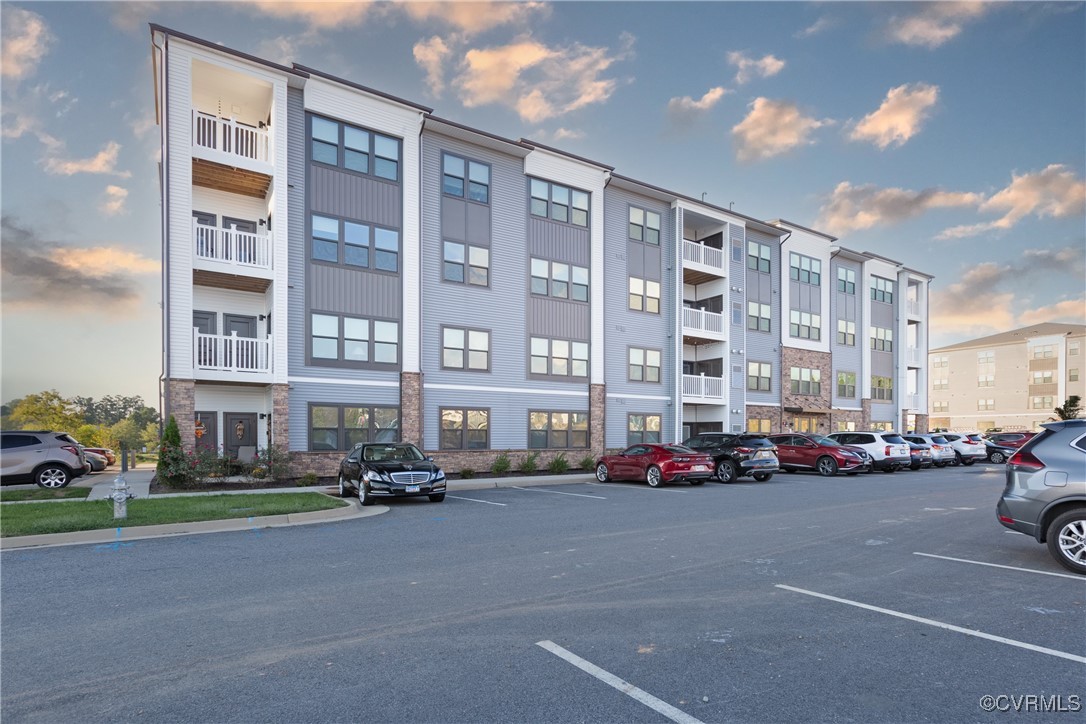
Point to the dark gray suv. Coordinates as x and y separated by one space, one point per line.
1045 496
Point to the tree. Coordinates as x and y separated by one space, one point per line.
47 411
111 409
91 436
1071 409
127 434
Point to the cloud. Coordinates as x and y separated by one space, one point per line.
750 68
431 55
132 15
850 208
105 161
44 274
815 28
772 128
1071 311
899 117
537 81
567 134
26 40
686 109
322 15
467 18
935 23
114 201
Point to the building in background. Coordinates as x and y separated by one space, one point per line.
1008 381
340 265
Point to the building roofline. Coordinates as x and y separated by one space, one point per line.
786 222
567 154
1018 336
880 257
364 89
520 145
155 28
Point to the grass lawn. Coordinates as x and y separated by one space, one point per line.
11 496
39 518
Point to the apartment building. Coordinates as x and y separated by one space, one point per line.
1011 381
341 265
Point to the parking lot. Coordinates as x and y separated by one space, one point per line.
882 597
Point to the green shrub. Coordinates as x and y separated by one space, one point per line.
173 464
272 462
467 474
529 463
502 464
308 480
587 463
558 465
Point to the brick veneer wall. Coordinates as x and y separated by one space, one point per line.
181 403
326 464
763 412
597 418
854 416
280 415
411 408
822 361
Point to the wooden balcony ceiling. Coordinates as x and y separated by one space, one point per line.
227 178
696 341
696 276
205 278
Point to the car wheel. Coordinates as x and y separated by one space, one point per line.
914 466
725 471
970 461
890 469
653 476
957 458
939 465
52 476
1067 540
364 496
342 487
998 458
826 466
437 497
602 474
762 477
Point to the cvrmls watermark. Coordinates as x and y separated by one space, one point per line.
1020 703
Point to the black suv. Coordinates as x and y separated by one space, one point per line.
737 455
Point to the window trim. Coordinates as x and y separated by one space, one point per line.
341 430
551 281
466 264
466 349
766 367
551 203
796 271
644 294
882 339
796 328
463 430
846 337
758 258
758 319
645 366
882 289
846 280
843 387
550 359
569 430
371 341
814 387
341 245
466 179
644 225
888 395
341 148
644 429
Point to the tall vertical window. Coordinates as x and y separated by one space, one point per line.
641 428
558 203
644 226
758 256
644 295
737 314
805 269
882 290
1072 349
465 264
550 429
846 384
758 316
759 376
466 179
465 429
846 280
882 388
644 365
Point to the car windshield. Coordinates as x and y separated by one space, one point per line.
385 453
755 441
894 439
827 441
974 438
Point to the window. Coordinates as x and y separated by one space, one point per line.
846 280
940 361
882 340
940 384
642 428
846 333
806 381
1072 349
983 405
759 375
1044 351
341 427
1041 402
985 380
352 244
558 203
352 340
465 429
351 148
557 430
882 388
804 325
644 365
805 269
845 426
1042 378
466 264
560 357
1072 375
846 384
940 407
758 316
644 226
737 252
557 279
465 349
759 424
987 357
758 256
882 426
882 290
466 179
644 295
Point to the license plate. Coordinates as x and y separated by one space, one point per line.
701 467
412 489
761 455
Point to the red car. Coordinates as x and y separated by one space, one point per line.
821 454
104 452
656 464
1011 439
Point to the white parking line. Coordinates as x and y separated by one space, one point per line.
661 707
474 500
576 495
940 624
635 487
997 565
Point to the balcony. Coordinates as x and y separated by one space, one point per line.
231 259
912 307
700 323
702 263
701 388
912 401
230 156
912 356
230 357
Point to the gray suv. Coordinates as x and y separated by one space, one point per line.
50 459
1045 496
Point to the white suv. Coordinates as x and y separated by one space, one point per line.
50 459
968 447
889 452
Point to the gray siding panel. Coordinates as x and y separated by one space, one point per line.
737 332
357 292
551 240
882 315
559 319
354 197
296 234
763 346
846 358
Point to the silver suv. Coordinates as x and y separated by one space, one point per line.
1045 496
888 451
50 459
969 447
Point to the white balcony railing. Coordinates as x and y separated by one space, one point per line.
912 356
703 323
230 246
703 388
230 137
696 253
912 306
230 353
912 401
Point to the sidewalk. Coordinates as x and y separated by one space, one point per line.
139 483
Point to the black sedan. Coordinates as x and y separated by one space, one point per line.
390 470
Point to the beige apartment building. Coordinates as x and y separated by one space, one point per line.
1010 381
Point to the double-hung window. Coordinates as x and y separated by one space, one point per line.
339 339
644 365
560 280
558 203
882 388
465 429
644 295
354 149
465 349
758 256
804 325
341 427
552 429
882 339
466 264
805 269
642 428
759 375
758 316
882 290
846 384
805 381
846 280
354 244
466 179
558 357
644 226
846 333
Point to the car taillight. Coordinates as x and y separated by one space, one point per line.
1024 459
887 453
744 450
70 448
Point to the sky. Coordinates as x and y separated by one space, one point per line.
947 136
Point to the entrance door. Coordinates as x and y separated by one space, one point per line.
207 431
239 431
242 355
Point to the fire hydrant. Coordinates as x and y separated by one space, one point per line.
120 495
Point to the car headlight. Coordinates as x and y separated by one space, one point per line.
438 474
374 476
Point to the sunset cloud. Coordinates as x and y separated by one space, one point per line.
818 26
468 18
432 55
686 108
1071 311
851 208
26 40
751 68
935 23
772 128
113 203
105 161
900 116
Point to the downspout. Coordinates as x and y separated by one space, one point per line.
422 307
164 176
